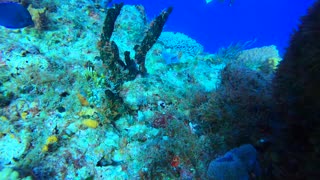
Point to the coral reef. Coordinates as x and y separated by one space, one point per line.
181 43
256 58
73 110
11 174
178 158
241 95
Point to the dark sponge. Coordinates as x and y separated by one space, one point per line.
296 90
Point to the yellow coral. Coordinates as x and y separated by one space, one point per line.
274 62
87 111
12 136
90 123
3 118
51 139
24 115
45 148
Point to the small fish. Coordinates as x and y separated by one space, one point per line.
230 2
14 15
106 162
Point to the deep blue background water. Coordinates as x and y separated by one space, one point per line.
216 25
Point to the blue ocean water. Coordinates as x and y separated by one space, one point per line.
217 24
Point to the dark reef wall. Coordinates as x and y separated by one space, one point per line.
296 89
